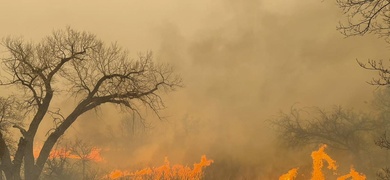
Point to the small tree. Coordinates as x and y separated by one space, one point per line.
59 167
73 64
73 160
85 153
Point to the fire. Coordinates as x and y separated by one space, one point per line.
318 162
166 171
118 173
353 174
93 155
290 175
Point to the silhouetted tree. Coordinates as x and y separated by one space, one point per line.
84 152
371 16
339 128
368 16
365 16
73 160
9 116
73 64
345 131
382 103
59 168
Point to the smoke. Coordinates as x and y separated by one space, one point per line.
241 62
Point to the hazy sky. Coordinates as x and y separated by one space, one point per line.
241 61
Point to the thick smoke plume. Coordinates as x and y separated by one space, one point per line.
241 61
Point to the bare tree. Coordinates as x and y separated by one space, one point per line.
73 64
339 128
10 115
384 143
368 16
85 153
345 131
59 167
365 16
73 160
371 16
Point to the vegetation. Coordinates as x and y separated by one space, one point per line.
346 129
339 128
69 64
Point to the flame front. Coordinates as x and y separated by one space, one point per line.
93 155
165 171
318 162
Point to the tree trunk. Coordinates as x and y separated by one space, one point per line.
10 174
50 142
10 168
29 161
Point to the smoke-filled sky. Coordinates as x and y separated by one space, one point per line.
241 61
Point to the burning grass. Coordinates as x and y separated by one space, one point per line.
62 158
166 172
92 154
319 157
180 172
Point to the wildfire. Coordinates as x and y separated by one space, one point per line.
318 162
290 175
93 155
166 171
354 175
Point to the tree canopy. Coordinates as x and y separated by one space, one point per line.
73 64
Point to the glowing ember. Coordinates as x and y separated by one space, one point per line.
166 172
318 162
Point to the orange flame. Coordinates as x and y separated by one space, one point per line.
165 171
352 174
318 162
94 155
290 175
